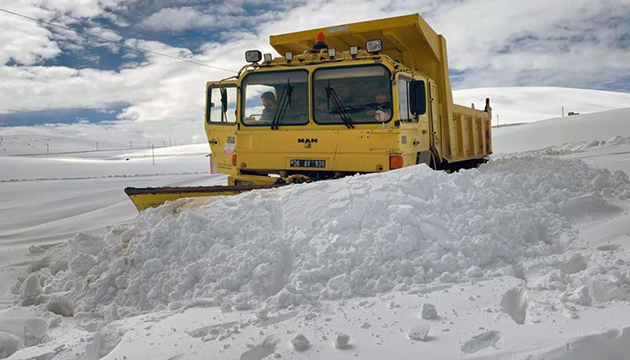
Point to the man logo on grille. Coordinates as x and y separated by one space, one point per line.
307 142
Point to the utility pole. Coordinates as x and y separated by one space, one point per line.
153 153
97 146
563 111
164 143
497 120
148 144
47 150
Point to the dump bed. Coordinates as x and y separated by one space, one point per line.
470 135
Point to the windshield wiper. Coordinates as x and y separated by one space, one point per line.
281 108
340 109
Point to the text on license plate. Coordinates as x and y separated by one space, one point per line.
308 163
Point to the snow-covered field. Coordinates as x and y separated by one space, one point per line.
526 257
528 104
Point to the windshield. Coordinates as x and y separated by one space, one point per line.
352 95
275 99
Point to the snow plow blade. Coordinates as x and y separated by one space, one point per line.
145 198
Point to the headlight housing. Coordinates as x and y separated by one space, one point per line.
253 56
374 46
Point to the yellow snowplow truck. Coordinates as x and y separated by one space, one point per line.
355 98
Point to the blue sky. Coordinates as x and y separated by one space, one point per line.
53 75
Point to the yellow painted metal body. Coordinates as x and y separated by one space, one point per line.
412 50
149 200
145 198
446 135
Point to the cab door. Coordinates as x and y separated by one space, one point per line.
221 124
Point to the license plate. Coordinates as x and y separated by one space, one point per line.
308 163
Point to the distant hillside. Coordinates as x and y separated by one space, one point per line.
555 132
528 104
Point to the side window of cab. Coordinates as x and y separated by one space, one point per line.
221 105
404 111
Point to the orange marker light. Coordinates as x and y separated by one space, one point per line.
233 159
395 162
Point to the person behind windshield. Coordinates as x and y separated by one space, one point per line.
270 104
323 106
382 109
297 108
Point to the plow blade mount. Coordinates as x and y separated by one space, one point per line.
145 198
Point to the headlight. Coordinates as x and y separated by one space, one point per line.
354 50
253 56
374 46
332 52
268 57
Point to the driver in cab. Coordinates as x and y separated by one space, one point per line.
270 104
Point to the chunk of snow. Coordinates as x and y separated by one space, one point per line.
515 303
481 341
579 295
428 311
419 332
81 264
30 290
300 342
474 272
9 344
262 314
575 264
60 305
342 341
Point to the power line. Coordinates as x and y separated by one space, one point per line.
118 43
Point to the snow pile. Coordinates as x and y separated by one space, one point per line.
577 146
356 236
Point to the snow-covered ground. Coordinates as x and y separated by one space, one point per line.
526 257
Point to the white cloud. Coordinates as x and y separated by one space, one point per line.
178 19
23 41
184 18
76 8
104 33
169 92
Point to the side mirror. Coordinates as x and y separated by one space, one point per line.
209 104
224 105
224 100
417 97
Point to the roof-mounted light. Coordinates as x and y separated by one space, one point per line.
267 57
289 56
374 46
354 50
320 42
332 52
253 56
